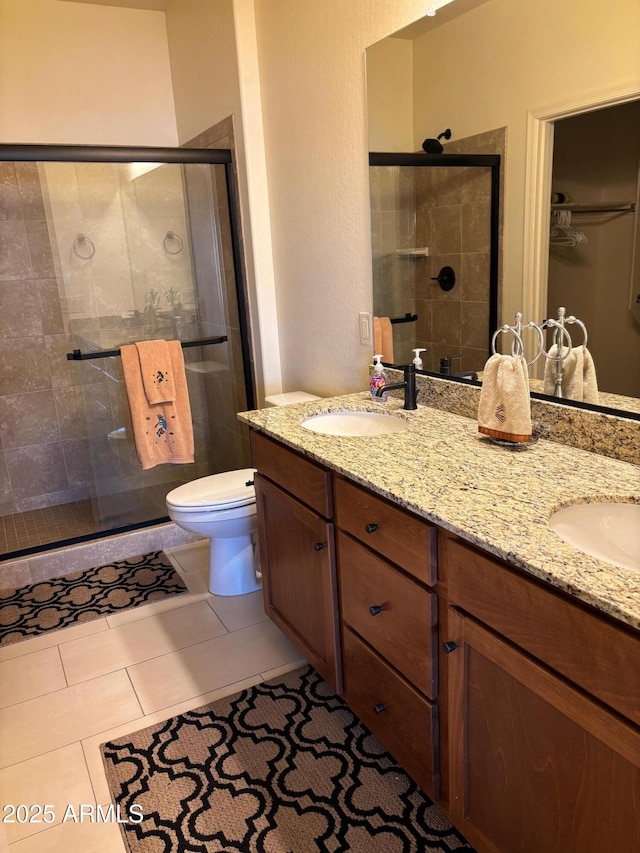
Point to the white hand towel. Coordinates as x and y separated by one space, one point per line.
589 379
504 410
579 380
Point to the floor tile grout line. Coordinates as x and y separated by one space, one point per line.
64 671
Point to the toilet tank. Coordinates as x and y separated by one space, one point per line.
289 397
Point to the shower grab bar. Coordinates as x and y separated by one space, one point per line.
78 355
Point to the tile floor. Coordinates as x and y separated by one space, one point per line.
65 693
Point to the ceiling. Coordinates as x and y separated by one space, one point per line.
151 5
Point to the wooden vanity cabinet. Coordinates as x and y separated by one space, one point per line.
542 700
297 552
386 558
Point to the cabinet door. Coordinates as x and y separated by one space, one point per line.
297 557
535 764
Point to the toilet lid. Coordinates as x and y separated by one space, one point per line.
228 489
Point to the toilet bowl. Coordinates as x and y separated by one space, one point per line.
222 508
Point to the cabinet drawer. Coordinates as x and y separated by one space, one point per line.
588 649
396 534
404 629
297 475
404 722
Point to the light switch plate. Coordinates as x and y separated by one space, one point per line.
365 321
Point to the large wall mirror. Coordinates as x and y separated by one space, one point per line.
465 69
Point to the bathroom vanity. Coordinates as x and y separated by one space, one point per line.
498 665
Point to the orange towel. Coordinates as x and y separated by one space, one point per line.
163 432
383 338
156 370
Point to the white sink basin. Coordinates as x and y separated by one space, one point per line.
609 531
353 423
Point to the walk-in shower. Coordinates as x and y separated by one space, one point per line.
100 247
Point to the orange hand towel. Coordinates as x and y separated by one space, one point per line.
383 338
156 370
163 432
504 410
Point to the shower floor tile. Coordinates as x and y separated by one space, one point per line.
54 524
44 526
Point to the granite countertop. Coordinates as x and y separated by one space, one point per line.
494 497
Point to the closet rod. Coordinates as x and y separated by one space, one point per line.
598 207
77 355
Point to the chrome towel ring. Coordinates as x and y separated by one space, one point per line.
172 243
517 347
84 247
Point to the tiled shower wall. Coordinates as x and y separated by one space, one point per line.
43 456
446 210
64 426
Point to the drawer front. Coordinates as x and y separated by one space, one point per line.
392 612
404 722
398 535
589 650
299 476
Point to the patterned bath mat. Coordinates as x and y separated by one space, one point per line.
83 596
283 767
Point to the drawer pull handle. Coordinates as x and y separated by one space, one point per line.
379 708
371 528
449 647
318 546
375 609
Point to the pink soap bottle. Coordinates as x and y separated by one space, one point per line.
377 380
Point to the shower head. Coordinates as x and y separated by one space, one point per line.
434 146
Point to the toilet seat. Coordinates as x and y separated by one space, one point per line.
216 492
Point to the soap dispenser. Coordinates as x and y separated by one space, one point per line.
378 379
417 360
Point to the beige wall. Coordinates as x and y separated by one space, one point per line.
490 67
389 66
74 73
214 63
314 107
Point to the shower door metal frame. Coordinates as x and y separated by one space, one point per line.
147 154
490 161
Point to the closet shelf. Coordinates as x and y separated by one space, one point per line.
598 207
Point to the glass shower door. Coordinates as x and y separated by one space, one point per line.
109 252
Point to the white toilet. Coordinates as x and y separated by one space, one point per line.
222 508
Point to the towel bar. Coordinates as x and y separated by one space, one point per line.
78 355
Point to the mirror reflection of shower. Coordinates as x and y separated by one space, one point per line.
434 237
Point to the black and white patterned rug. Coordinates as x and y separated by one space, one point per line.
82 596
283 767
